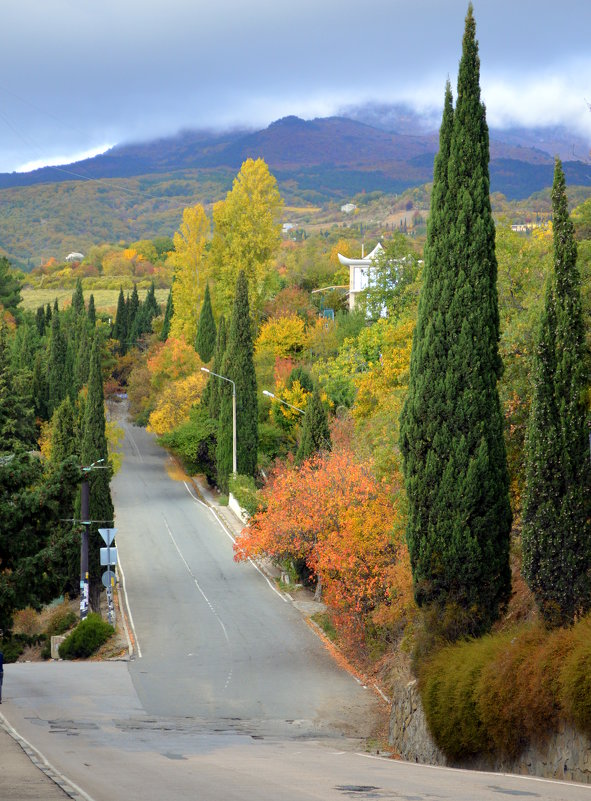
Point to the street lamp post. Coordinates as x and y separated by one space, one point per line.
285 403
224 378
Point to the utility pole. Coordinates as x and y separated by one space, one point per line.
85 512
86 521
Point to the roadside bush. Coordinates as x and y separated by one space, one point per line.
194 442
62 619
86 638
503 691
244 490
26 621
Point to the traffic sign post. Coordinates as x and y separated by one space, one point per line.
109 558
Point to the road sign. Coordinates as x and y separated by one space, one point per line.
108 534
108 556
108 578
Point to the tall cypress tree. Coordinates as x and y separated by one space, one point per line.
91 311
93 448
133 307
557 505
56 368
211 394
238 365
315 429
167 318
17 423
452 426
40 321
64 442
78 299
120 327
206 330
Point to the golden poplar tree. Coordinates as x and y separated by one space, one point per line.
247 235
190 272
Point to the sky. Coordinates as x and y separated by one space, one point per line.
78 76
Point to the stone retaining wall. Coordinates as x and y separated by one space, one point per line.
566 754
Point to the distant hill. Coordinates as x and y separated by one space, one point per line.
139 190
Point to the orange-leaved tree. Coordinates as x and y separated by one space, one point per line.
334 514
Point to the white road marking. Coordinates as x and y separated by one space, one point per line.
186 564
134 444
228 533
131 623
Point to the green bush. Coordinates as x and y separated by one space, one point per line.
244 490
86 638
194 442
61 620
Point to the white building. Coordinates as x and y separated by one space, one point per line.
359 272
74 256
348 208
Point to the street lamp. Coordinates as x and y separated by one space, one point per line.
224 378
285 403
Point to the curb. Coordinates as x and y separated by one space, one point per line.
38 760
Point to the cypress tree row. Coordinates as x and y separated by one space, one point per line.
557 505
206 330
93 448
238 365
451 426
315 430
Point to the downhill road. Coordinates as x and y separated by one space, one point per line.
229 695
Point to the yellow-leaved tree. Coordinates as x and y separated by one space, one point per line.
190 272
246 236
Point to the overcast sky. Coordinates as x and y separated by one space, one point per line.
79 75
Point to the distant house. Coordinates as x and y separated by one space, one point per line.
348 208
359 272
74 256
286 227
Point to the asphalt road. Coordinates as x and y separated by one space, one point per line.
230 695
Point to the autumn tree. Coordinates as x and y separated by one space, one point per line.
238 366
333 514
190 272
206 330
452 426
557 509
246 236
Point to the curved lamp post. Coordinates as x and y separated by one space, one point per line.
285 403
224 378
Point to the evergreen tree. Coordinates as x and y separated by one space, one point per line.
451 426
557 505
55 307
238 365
17 424
10 287
40 321
151 303
78 299
167 318
133 306
48 314
211 395
40 388
91 314
206 331
82 360
120 327
56 367
64 442
94 448
315 429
